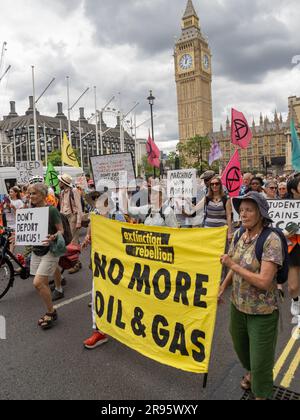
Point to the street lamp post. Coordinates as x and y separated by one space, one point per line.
151 100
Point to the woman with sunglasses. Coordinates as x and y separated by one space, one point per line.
271 190
218 208
282 191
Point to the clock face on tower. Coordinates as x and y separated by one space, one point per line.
206 61
186 62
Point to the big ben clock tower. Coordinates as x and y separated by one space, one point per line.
193 73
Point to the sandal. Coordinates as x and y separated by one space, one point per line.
47 321
246 383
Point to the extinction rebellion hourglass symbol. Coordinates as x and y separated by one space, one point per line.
233 180
71 154
241 129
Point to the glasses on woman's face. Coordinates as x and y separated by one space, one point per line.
272 188
255 184
215 184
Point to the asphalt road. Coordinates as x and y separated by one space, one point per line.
54 365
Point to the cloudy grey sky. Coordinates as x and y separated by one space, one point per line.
127 46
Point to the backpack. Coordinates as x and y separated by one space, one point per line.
67 230
282 274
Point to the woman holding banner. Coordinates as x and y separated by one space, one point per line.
43 262
294 253
254 308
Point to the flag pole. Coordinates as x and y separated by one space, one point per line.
69 110
61 146
34 117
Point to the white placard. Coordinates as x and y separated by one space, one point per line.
32 226
182 184
283 212
81 182
27 170
113 171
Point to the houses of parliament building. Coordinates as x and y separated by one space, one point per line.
271 143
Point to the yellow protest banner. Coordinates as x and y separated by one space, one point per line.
155 289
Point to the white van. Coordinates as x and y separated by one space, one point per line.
8 176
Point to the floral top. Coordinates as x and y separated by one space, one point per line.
245 297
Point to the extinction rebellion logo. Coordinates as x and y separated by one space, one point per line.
148 245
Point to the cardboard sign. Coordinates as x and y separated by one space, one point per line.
182 184
283 212
32 226
113 171
27 170
81 182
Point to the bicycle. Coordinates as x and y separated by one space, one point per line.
7 271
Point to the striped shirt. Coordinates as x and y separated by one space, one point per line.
215 214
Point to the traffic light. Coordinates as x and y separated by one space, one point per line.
263 161
177 163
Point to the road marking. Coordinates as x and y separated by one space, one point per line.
282 359
68 302
290 374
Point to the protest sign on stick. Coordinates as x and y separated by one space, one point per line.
27 170
32 226
113 171
182 184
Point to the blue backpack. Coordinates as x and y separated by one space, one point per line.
282 274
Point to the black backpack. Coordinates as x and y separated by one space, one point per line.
282 274
67 230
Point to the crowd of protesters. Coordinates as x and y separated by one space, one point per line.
255 294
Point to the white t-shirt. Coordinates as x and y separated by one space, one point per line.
11 213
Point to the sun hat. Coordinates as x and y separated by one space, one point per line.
66 179
259 199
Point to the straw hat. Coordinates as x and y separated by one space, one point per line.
66 179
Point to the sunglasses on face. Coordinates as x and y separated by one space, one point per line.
215 184
272 188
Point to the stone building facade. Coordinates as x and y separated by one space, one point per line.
17 136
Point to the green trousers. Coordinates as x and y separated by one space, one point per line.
254 339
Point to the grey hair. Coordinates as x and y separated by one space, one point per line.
39 187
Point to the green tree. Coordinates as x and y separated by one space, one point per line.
145 167
193 153
55 157
170 162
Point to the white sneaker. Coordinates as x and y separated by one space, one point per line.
295 308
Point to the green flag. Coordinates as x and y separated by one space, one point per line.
52 178
296 147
